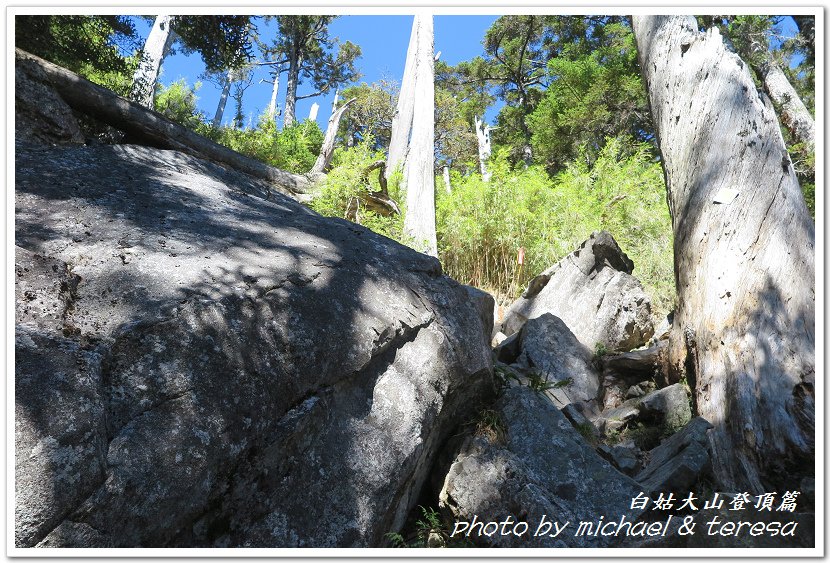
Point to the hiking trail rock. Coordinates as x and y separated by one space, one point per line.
541 466
204 362
593 292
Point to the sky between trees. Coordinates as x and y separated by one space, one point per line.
383 40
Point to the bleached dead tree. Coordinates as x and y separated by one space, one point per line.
794 114
744 332
484 150
155 49
419 166
447 183
323 161
223 100
272 104
402 118
230 75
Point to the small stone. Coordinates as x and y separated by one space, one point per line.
435 539
634 391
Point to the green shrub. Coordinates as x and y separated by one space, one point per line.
119 81
295 148
177 102
481 225
339 194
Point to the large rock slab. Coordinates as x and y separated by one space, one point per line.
677 463
593 292
552 352
203 362
666 409
669 405
541 467
41 115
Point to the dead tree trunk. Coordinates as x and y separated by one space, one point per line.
447 183
794 114
153 128
484 151
272 105
231 74
294 62
402 119
223 100
743 256
327 150
155 49
419 168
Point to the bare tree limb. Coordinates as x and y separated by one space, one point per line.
327 150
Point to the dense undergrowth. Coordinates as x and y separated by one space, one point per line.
482 225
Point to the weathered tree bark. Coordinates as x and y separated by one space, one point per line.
154 129
272 105
323 161
223 100
419 168
638 364
794 114
447 184
484 150
155 49
294 62
743 254
402 118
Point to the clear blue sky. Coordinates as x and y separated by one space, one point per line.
382 39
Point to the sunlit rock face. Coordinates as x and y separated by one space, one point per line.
593 292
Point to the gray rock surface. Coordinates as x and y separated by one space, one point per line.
485 304
678 461
203 362
669 406
624 457
612 391
581 422
41 116
507 351
551 350
662 330
611 420
593 292
543 466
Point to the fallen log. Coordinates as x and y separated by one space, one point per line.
153 128
638 364
377 201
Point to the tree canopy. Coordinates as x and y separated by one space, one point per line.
304 46
90 45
